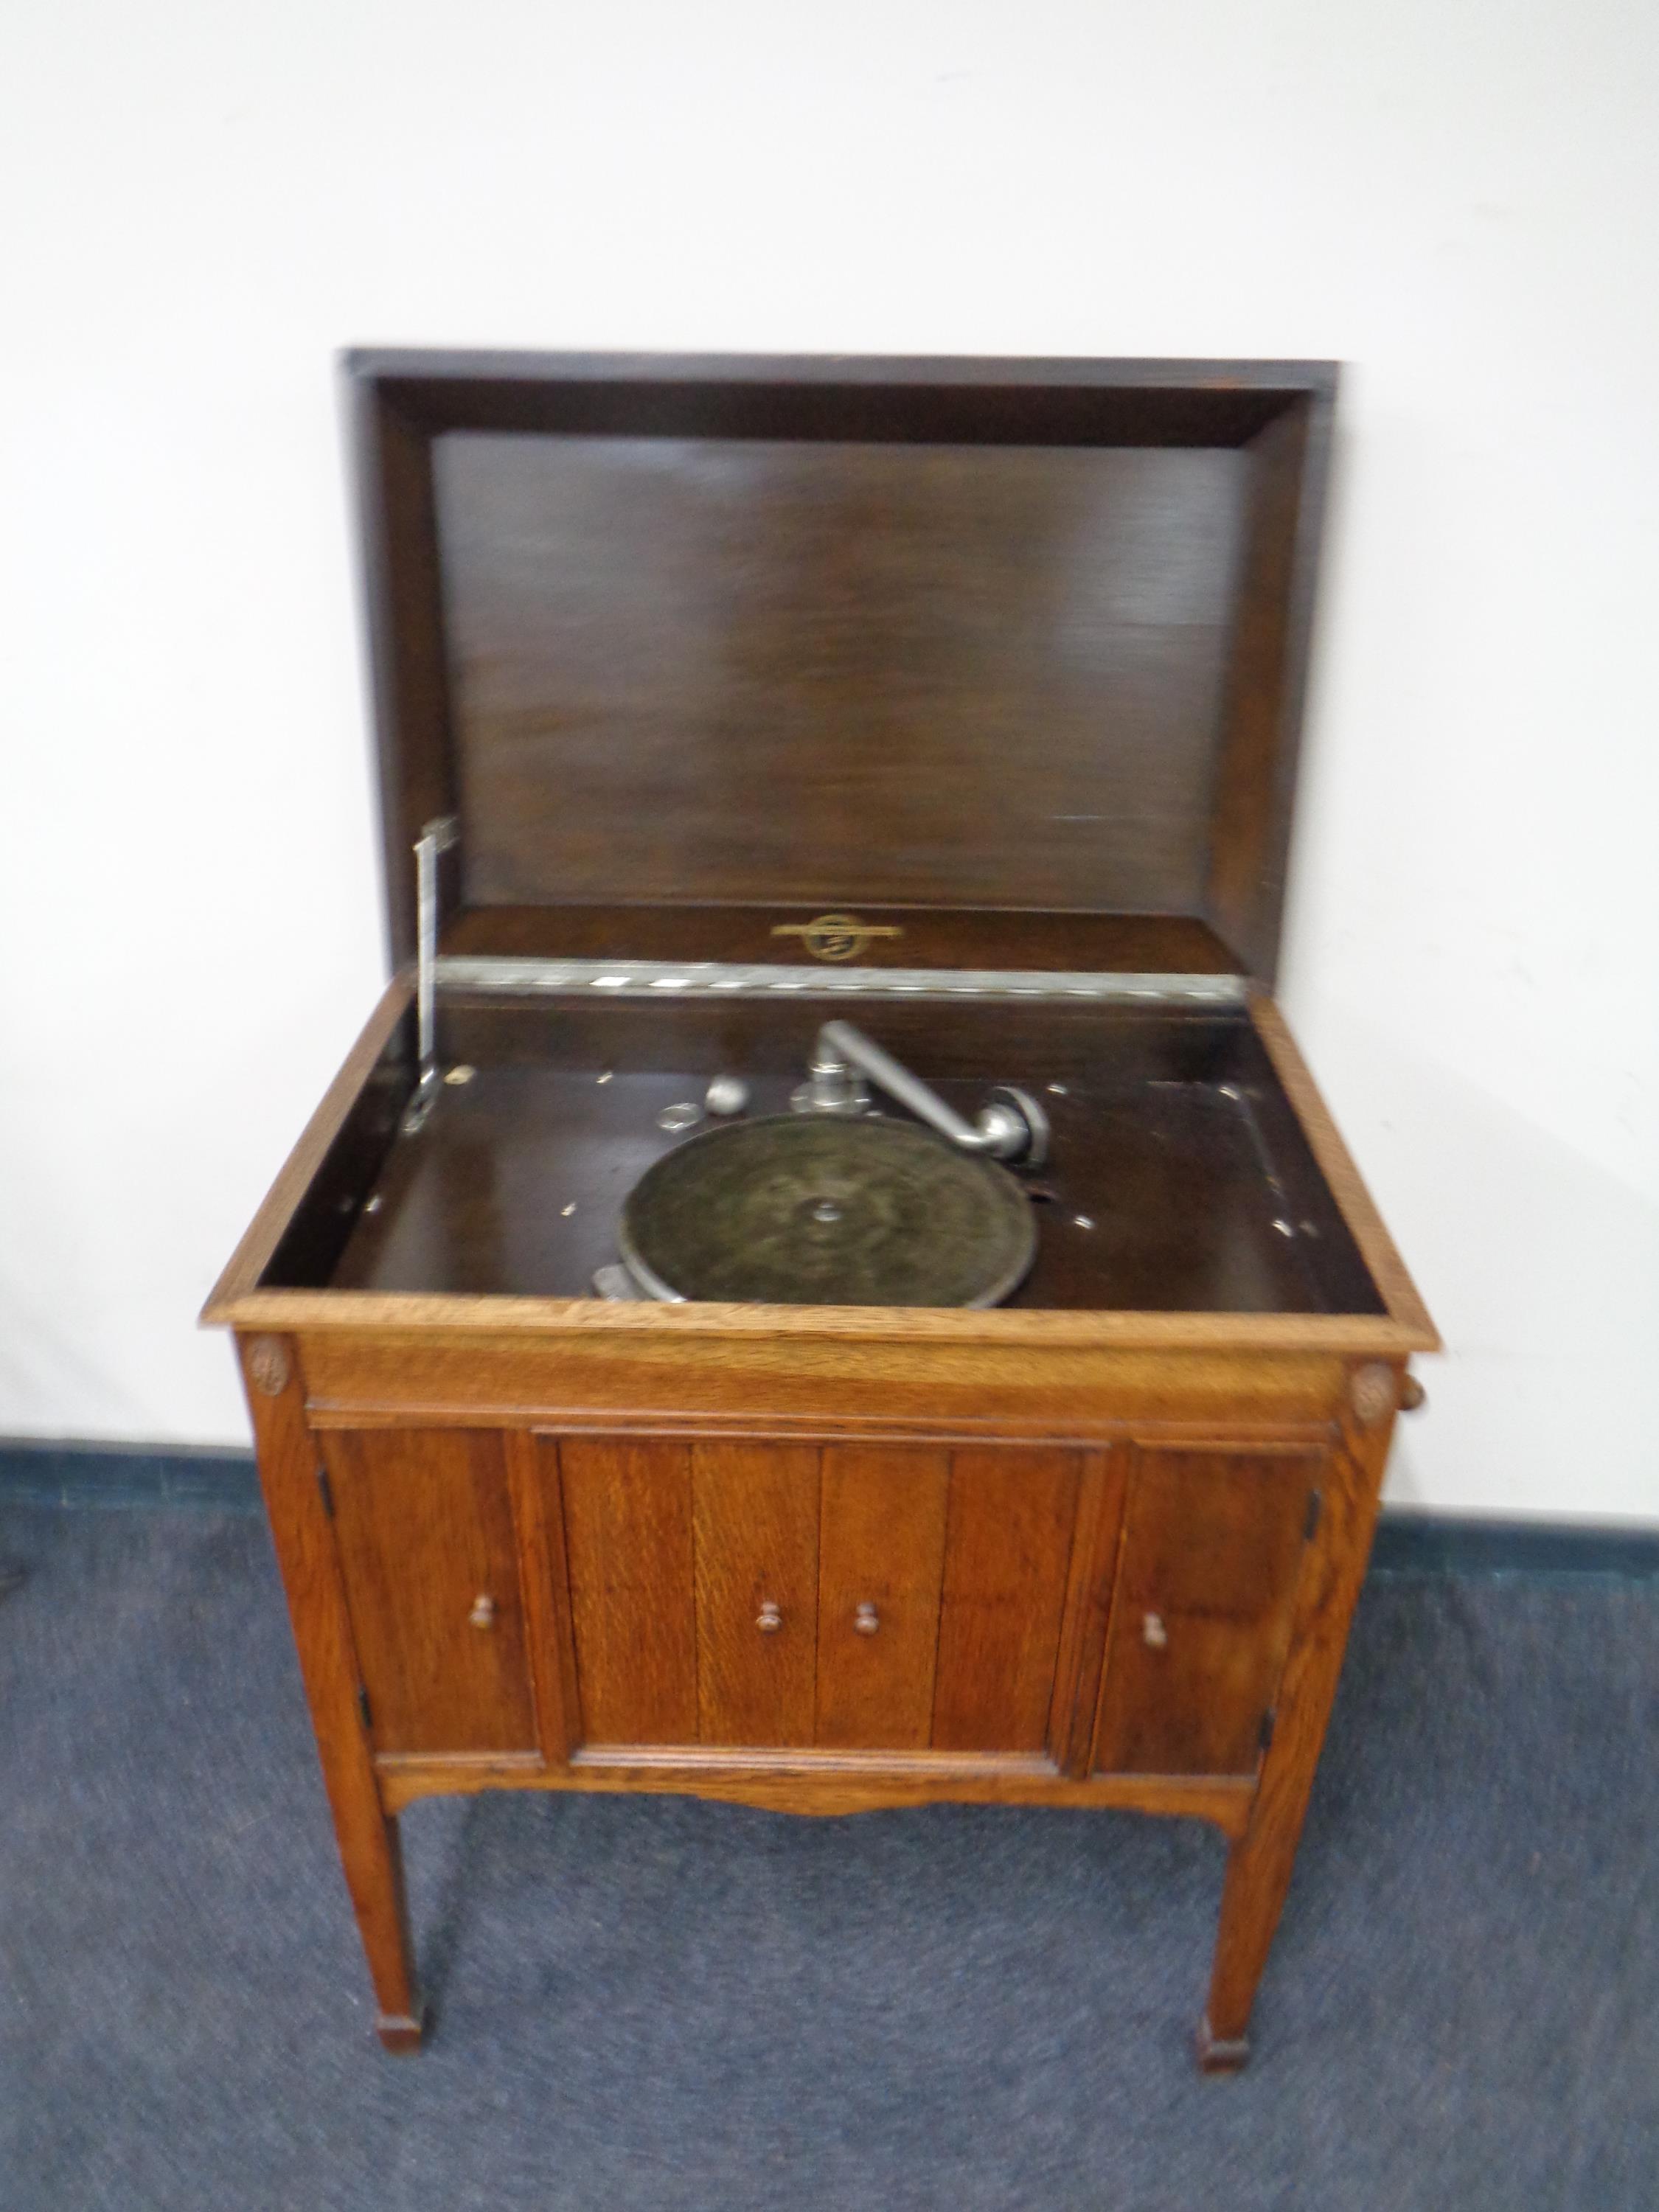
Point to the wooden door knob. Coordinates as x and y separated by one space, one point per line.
1153 1632
866 1619
483 1614
1412 1394
768 1619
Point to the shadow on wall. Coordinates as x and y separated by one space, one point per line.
1541 1269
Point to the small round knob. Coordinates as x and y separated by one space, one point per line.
725 1095
1153 1632
1412 1394
483 1614
866 1619
768 1619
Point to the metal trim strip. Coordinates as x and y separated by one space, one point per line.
639 979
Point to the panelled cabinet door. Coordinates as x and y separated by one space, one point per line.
423 1527
754 1542
1214 1538
694 1579
942 1586
881 1563
1007 1553
783 1595
627 1508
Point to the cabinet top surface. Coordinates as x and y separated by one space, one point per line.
1195 1194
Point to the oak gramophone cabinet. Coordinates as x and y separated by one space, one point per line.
948 709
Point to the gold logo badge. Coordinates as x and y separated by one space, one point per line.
837 936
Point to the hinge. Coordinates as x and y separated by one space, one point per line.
362 1706
1316 1507
1268 1720
326 1491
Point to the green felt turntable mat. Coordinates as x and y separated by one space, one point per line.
809 1210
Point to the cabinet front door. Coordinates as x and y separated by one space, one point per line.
942 1585
870 1597
1213 1542
628 1538
423 1527
693 1577
755 1543
1007 1550
881 1563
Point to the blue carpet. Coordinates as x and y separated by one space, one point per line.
657 2003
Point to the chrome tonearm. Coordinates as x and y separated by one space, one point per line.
1010 1126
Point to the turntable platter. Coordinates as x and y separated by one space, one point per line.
810 1210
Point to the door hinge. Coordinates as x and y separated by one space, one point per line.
326 1491
1268 1720
362 1707
1316 1507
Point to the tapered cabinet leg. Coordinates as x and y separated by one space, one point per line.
1263 1857
367 1834
1259 1868
374 1875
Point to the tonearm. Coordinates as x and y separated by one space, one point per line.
1011 1126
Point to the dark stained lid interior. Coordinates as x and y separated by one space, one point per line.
1005 655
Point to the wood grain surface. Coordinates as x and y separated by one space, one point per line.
1091 1579
403 598
365 1316
881 1545
922 649
629 1378
1141 532
924 936
364 1829
628 1543
424 1527
1262 1859
830 1783
1007 1550
544 1585
755 1521
1261 719
1387 1268
1213 1543
286 1198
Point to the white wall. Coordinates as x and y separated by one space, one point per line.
1462 200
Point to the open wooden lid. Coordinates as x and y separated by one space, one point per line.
1003 658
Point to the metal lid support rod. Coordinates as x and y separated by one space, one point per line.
435 840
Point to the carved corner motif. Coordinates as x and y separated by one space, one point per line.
268 1365
1373 1394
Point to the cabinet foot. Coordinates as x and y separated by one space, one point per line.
400 2034
1218 2054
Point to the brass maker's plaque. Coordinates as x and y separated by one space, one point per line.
837 936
